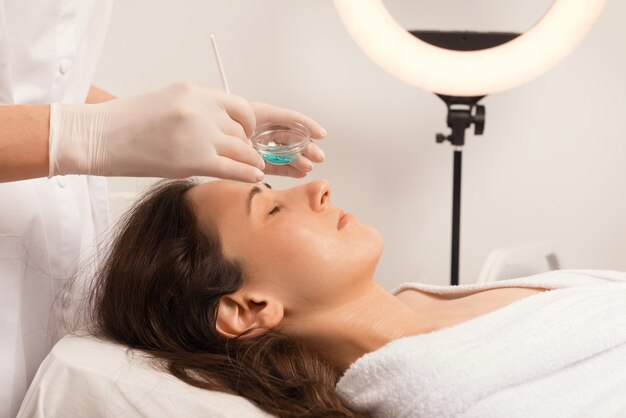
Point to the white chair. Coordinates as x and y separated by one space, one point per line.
519 260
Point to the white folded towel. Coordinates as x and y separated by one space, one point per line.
559 353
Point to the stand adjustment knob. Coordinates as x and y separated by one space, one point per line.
479 120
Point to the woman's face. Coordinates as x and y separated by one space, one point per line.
293 243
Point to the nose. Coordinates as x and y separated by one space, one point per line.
319 194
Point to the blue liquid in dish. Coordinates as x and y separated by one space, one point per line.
278 159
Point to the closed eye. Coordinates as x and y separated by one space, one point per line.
275 210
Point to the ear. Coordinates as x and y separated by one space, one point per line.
247 311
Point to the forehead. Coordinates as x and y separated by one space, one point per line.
215 199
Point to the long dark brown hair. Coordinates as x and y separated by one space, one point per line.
158 291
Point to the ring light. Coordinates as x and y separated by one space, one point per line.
468 73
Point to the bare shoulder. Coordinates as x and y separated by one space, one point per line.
500 292
459 307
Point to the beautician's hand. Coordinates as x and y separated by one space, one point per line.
179 131
312 154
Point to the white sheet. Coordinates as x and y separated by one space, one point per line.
85 377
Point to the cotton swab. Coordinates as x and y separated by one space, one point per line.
219 64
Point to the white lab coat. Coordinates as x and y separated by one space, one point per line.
48 53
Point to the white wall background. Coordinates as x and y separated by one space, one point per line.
550 165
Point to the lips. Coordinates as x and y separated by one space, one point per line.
344 218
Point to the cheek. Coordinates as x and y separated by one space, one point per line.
309 264
291 255
293 247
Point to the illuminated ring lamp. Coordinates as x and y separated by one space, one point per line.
463 67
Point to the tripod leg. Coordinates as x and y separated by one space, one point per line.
456 217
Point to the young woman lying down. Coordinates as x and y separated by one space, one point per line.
270 294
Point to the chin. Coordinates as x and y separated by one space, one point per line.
378 242
370 246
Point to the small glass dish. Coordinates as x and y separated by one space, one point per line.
280 143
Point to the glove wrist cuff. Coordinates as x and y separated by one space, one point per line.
74 142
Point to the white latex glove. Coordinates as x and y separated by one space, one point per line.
179 131
312 154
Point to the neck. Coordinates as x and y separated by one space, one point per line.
370 319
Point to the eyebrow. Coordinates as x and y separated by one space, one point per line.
253 192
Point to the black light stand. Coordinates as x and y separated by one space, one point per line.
462 113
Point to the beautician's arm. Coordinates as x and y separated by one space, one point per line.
97 95
177 131
24 132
